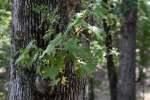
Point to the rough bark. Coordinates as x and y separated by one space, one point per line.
29 25
126 83
25 28
75 88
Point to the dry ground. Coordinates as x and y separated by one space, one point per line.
102 89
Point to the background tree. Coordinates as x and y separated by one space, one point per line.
111 69
143 37
50 46
126 85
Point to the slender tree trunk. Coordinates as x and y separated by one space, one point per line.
29 25
91 85
111 70
126 83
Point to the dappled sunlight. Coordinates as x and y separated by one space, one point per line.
74 50
2 70
147 85
147 96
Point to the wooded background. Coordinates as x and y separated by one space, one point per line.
74 49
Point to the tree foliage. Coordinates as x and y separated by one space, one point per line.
71 43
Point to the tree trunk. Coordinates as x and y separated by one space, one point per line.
25 28
126 83
29 25
90 85
111 70
75 87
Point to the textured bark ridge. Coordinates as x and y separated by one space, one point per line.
25 28
126 83
29 25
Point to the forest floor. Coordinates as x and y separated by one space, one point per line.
102 90
101 85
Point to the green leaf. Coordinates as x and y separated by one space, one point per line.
80 72
99 11
31 45
89 67
51 72
52 46
78 21
24 59
97 31
54 82
72 45
83 53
